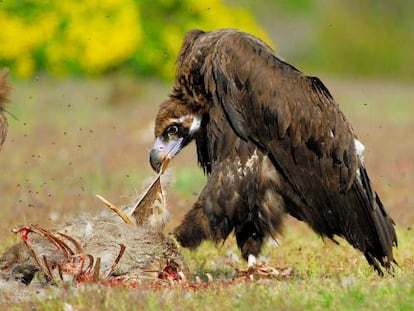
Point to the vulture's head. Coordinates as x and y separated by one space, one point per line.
176 125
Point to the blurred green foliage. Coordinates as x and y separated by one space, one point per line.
372 38
355 37
91 37
142 37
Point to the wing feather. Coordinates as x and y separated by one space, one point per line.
255 87
294 120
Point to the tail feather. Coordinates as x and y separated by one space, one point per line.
356 215
374 263
380 240
386 234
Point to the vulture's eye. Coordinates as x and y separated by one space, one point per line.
172 130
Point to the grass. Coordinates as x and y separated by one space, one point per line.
327 277
74 139
261 296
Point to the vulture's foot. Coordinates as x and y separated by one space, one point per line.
257 271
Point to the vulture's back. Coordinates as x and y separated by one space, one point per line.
293 120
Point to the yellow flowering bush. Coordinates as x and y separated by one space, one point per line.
165 25
92 37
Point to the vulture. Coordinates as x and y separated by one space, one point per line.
272 142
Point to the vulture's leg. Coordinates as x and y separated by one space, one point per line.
251 260
195 227
264 219
250 237
250 240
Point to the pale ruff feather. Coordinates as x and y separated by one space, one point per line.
268 170
239 167
359 149
195 125
250 163
230 174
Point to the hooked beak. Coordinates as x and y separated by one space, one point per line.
162 153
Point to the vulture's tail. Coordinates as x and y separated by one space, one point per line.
4 92
362 220
358 216
379 244
387 239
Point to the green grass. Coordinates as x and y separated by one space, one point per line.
73 139
326 277
189 181
294 295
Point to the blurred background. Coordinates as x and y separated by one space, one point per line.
142 37
88 77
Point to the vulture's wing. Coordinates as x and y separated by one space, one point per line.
290 115
295 120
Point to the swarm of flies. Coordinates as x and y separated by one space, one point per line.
125 247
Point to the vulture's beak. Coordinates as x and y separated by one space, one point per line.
163 152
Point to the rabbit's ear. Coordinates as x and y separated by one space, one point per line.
4 93
4 87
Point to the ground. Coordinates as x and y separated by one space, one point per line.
71 139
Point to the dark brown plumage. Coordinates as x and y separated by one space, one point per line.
4 93
272 141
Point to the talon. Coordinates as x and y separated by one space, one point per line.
251 261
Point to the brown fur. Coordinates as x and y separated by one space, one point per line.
147 250
4 94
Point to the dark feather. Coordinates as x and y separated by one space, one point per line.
273 141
